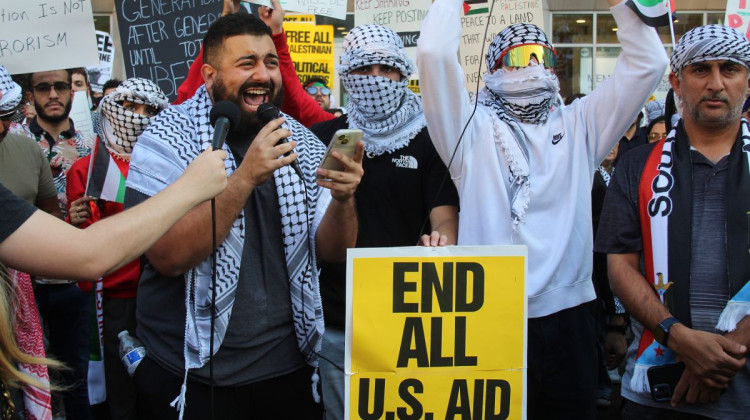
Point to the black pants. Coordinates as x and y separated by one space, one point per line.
287 397
562 360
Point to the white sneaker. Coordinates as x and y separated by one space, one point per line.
614 376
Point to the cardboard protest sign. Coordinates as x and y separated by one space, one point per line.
160 40
311 48
475 20
403 16
98 75
331 8
46 35
436 333
738 15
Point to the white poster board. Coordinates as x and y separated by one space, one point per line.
48 35
738 15
331 8
475 20
98 75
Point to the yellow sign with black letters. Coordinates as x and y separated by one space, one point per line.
436 333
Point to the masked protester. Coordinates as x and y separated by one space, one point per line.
124 113
524 168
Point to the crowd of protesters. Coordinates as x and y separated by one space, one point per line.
634 213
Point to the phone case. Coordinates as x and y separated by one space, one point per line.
344 142
663 380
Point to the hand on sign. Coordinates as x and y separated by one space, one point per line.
273 16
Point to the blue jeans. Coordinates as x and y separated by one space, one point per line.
66 313
332 377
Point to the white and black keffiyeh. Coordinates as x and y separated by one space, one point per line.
525 95
710 42
387 111
179 135
121 127
11 92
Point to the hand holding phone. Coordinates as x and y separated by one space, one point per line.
663 380
344 141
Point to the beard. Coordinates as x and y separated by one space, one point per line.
249 122
731 116
41 114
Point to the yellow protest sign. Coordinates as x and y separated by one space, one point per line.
300 18
436 333
311 48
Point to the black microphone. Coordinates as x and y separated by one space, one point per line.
224 115
268 112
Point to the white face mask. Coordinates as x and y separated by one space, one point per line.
525 93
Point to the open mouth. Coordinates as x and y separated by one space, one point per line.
254 96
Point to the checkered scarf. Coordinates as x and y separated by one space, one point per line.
388 113
121 127
710 42
177 136
11 92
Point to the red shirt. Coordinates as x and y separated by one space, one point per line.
297 103
123 283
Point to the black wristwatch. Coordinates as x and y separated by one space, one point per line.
661 333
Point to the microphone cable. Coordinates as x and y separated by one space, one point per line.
213 308
460 138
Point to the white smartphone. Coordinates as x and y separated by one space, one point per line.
344 142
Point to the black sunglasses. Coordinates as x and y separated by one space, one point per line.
313 90
60 87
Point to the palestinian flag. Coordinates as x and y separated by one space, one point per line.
653 12
105 179
475 7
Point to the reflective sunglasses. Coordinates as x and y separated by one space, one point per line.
652 137
60 87
313 90
526 55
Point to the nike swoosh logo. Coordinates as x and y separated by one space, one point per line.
557 137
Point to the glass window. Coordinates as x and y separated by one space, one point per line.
574 69
102 23
606 29
604 65
340 27
717 18
684 23
573 28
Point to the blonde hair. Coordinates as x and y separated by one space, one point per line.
10 354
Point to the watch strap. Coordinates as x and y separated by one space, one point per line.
661 335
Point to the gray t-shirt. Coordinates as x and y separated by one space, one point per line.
620 232
260 342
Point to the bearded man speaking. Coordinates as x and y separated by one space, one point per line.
267 320
524 169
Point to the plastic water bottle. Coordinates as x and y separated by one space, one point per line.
131 351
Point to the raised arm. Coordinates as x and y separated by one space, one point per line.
610 108
113 242
444 99
297 102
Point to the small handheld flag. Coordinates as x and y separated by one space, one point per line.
105 178
653 12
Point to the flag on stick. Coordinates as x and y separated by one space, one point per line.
653 12
105 178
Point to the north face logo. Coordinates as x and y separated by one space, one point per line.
409 162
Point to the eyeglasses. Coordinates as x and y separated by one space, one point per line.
656 136
526 55
60 87
313 90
